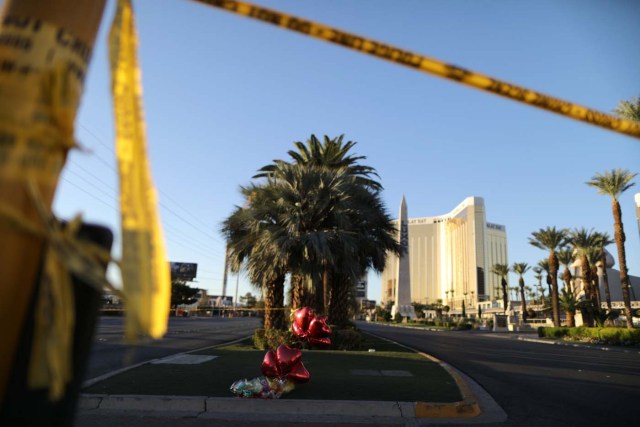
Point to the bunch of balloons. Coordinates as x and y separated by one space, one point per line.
311 328
283 367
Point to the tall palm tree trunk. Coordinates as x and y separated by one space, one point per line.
605 280
339 301
325 290
571 322
585 269
555 303
622 259
505 296
524 303
297 283
595 280
273 304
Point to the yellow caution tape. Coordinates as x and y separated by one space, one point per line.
145 270
42 71
428 65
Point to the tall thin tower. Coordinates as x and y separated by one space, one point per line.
402 303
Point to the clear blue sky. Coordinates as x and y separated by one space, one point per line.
224 95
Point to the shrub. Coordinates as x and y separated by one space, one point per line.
346 339
272 338
614 336
397 318
552 332
462 325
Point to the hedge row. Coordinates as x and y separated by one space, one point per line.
614 336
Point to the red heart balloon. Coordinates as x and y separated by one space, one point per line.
318 327
270 365
299 332
298 373
287 358
302 317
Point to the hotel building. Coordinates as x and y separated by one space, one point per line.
450 257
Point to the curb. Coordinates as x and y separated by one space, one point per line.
577 345
468 407
203 404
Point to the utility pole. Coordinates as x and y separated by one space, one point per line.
224 275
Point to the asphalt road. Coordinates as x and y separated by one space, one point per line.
110 352
537 384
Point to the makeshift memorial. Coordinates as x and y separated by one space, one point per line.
283 367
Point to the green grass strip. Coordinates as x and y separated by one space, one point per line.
332 375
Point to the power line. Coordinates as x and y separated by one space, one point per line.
110 195
90 194
173 212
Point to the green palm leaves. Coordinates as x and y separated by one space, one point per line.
319 218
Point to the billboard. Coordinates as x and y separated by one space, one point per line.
361 289
183 270
368 304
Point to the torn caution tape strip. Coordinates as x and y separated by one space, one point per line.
145 270
429 65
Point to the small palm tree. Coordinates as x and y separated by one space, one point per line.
502 270
544 265
613 183
538 275
520 268
565 257
602 240
551 239
582 240
569 305
593 256
629 109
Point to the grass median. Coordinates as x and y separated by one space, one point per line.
390 373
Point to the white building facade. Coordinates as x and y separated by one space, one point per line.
450 257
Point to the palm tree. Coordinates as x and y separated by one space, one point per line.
565 257
593 256
544 265
502 270
249 232
582 241
551 239
602 240
334 153
520 268
569 305
629 109
613 183
537 270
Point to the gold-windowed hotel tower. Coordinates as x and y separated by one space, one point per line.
450 257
